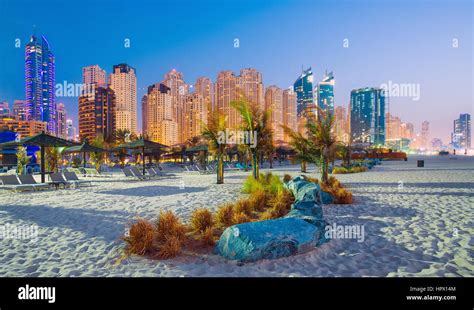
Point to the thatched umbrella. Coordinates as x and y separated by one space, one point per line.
146 146
84 148
42 140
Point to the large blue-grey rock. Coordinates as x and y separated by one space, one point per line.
299 231
270 239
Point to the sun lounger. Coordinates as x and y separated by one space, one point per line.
57 180
75 170
11 182
230 168
72 177
137 173
152 173
201 171
28 179
190 170
129 174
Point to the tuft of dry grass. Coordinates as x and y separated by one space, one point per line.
140 237
208 236
258 201
201 219
281 203
225 215
343 196
267 215
287 178
168 225
170 248
243 206
333 182
240 218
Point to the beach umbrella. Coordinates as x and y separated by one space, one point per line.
42 140
146 147
84 148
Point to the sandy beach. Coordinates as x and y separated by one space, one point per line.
417 222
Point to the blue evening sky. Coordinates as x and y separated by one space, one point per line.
399 41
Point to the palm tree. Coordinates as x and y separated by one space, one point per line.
212 131
321 144
53 157
120 136
344 151
22 160
97 157
306 152
257 123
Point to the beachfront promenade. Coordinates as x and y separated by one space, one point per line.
416 221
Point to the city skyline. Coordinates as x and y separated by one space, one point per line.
279 67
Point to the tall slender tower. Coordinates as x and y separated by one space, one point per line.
123 82
289 112
325 91
178 91
227 90
251 86
157 115
368 116
274 104
61 130
40 83
94 75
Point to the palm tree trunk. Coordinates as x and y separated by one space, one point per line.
324 168
303 166
220 168
255 167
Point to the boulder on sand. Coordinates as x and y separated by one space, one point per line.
299 231
268 239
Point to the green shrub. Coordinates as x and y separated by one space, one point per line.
251 185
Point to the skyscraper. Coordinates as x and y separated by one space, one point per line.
20 110
303 87
340 119
274 104
425 135
97 115
229 87
123 82
4 108
157 115
71 130
368 116
61 130
393 127
40 82
325 92
289 112
195 115
251 85
461 135
227 90
178 90
94 75
205 88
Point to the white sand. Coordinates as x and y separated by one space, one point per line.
422 229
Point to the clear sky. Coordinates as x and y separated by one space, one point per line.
400 41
